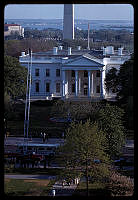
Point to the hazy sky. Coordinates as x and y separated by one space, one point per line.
82 11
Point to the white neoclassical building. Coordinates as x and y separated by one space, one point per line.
72 74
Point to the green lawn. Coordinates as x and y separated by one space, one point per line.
95 189
38 121
15 187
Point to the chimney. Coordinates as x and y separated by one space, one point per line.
104 51
79 48
120 50
55 49
60 47
22 53
69 50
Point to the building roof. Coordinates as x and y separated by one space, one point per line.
11 25
84 60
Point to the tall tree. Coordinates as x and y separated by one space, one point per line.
85 145
14 77
125 80
110 121
111 80
122 82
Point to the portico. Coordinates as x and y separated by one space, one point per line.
82 77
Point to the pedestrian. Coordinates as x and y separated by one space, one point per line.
63 135
63 183
47 136
53 192
44 137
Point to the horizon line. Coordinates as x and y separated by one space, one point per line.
62 19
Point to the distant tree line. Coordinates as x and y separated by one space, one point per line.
15 47
38 40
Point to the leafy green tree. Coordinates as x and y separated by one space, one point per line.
111 80
122 83
125 92
15 47
125 80
75 110
110 121
85 144
14 77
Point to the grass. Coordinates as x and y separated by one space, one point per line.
47 171
95 189
38 120
15 187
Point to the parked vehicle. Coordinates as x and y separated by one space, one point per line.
37 149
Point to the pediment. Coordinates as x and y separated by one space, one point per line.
84 61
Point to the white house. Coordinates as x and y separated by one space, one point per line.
13 28
73 75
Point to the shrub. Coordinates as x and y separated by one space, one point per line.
120 185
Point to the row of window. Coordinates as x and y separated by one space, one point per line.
47 72
58 88
47 87
58 73
85 73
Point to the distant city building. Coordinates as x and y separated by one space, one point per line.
12 29
73 74
68 24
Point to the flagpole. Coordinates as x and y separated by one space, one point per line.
88 38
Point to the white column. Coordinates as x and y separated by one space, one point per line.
89 83
76 83
101 83
92 83
63 83
79 85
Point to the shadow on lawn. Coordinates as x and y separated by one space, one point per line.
93 192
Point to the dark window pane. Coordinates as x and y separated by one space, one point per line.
85 73
36 72
98 74
37 87
98 89
73 87
57 72
58 87
73 73
47 72
47 87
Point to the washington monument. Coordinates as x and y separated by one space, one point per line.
68 26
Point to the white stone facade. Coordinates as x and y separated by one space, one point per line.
70 78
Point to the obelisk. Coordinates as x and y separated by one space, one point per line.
68 24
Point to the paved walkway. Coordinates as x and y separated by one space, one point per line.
66 190
28 176
17 140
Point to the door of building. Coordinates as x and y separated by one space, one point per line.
85 89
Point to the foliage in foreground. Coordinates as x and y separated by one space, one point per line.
110 121
120 185
14 77
84 148
108 117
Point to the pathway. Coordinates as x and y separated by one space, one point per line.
63 190
28 176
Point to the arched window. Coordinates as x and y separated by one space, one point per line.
85 73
